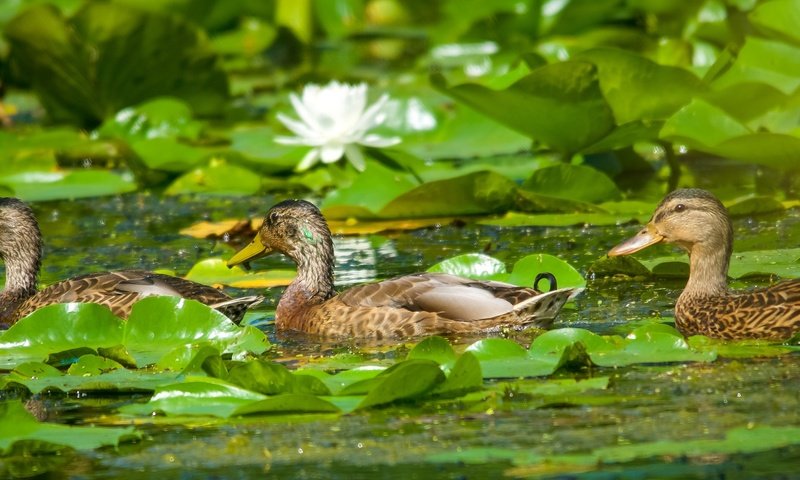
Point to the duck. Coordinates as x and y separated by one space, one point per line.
696 221
398 308
21 248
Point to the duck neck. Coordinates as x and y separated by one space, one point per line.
314 282
708 271
22 271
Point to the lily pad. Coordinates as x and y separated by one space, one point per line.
472 265
57 328
36 186
407 380
17 425
573 182
214 271
218 177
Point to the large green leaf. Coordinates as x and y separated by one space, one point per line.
87 68
407 380
58 328
17 425
36 186
471 194
779 18
196 397
639 89
702 125
573 182
528 267
560 104
38 377
434 348
215 271
218 177
157 325
288 403
784 262
472 265
764 61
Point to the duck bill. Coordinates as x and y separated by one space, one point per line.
646 237
252 251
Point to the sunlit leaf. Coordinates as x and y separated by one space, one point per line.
218 177
215 398
214 271
59 327
471 265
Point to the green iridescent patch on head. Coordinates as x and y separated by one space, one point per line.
309 235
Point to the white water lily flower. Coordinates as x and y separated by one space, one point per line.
335 120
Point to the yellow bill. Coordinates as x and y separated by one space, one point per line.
646 237
252 251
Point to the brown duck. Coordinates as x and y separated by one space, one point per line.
696 221
21 250
411 305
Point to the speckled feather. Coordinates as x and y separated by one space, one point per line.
697 221
119 290
401 307
21 250
768 313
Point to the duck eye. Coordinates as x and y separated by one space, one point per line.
680 207
273 217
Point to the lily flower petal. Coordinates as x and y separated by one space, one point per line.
308 160
355 157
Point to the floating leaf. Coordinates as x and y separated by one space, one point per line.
407 380
471 265
163 117
434 348
218 177
179 322
465 376
196 397
288 403
17 425
37 186
56 328
214 271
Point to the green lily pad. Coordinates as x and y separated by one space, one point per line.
57 328
465 376
778 17
17 425
527 268
272 378
560 104
472 265
337 383
501 358
407 380
36 186
434 348
764 61
574 182
638 88
179 322
196 397
288 403
218 177
213 271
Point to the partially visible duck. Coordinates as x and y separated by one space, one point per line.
21 250
696 221
401 307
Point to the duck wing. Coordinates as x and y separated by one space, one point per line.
119 290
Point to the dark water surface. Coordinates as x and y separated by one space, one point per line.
644 403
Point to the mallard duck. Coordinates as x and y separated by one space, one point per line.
696 221
21 250
406 306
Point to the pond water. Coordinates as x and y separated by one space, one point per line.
678 402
